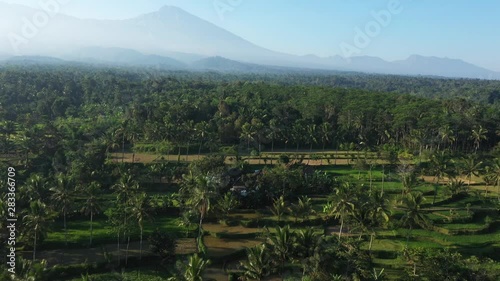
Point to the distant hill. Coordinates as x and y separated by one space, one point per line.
172 38
33 60
226 65
123 56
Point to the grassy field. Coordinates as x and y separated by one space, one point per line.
464 224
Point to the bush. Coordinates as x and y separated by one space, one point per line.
284 159
163 244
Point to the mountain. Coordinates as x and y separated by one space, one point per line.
33 60
174 39
416 65
226 65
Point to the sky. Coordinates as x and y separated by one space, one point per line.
463 29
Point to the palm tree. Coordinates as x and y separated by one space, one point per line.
139 210
470 167
199 195
307 243
123 131
115 217
456 186
34 188
202 130
273 132
298 132
247 133
494 174
440 165
193 270
258 263
110 141
379 208
446 135
412 212
326 133
63 198
281 243
226 204
478 135
27 270
311 136
37 222
92 205
303 208
340 207
408 177
125 188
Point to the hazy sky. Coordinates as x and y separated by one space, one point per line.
464 29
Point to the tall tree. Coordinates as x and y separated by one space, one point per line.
470 167
37 222
199 194
140 211
413 215
341 206
493 172
91 206
478 135
63 197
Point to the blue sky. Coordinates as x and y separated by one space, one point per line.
463 29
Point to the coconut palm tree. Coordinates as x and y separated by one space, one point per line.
274 132
33 189
202 130
63 198
494 175
340 207
413 214
478 135
140 211
470 167
456 186
125 188
326 133
440 165
379 213
91 205
199 193
446 135
37 222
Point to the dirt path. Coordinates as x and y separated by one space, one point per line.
216 247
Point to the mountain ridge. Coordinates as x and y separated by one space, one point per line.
177 38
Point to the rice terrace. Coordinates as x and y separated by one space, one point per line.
143 142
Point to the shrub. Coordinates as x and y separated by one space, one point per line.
163 244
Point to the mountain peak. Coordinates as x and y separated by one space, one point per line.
168 9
